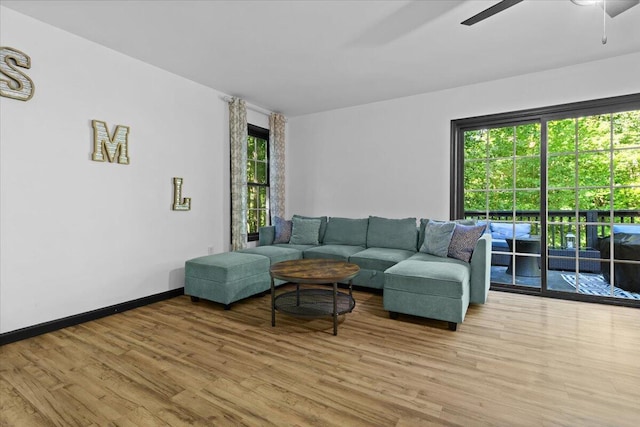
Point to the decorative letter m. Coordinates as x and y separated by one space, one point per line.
103 143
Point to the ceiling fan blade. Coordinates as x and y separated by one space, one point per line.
497 8
616 7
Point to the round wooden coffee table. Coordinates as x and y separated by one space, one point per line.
313 302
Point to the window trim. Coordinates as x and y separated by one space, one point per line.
262 133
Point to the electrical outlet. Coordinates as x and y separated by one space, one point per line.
211 250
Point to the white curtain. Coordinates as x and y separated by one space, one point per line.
276 165
238 139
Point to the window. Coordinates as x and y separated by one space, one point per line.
257 180
559 188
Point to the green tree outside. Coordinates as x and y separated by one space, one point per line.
586 158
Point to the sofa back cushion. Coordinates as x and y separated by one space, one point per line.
346 231
392 233
323 224
627 228
505 230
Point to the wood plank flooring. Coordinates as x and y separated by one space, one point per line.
515 361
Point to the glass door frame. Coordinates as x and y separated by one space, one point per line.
542 116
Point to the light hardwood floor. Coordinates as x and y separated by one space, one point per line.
517 360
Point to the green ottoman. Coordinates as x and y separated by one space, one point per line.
436 290
226 277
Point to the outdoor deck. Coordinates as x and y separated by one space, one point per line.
589 230
558 280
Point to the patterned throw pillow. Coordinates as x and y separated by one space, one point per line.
464 240
283 230
437 237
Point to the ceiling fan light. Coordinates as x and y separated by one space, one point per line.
584 2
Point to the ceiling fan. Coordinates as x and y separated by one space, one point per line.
612 7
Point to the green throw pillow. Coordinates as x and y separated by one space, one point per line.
323 224
304 231
437 237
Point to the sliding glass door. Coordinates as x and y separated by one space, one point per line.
559 190
502 190
593 205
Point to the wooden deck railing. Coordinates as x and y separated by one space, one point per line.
592 225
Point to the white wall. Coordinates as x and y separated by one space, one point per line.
78 235
392 158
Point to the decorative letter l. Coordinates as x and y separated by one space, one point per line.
180 204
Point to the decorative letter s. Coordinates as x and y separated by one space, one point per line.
16 85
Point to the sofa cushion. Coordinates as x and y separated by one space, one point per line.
323 224
424 221
283 230
421 256
273 253
429 278
300 248
464 240
379 258
501 230
305 231
626 228
437 236
339 252
346 231
392 233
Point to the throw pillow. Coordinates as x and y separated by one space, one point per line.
323 224
437 237
423 225
304 231
464 240
283 230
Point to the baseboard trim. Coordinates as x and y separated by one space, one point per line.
54 325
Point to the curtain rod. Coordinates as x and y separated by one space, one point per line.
227 98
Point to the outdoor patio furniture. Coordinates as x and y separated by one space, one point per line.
568 263
525 265
626 246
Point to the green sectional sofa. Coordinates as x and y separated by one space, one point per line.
388 254
430 269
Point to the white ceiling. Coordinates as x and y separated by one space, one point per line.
299 57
